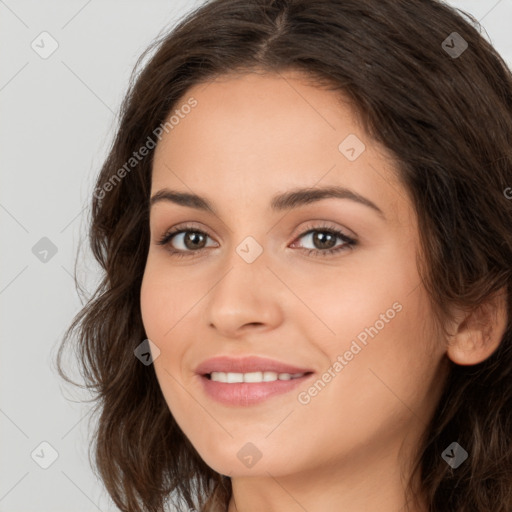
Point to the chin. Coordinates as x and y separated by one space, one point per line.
245 459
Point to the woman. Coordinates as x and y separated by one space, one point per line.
304 223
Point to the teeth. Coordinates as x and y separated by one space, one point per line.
232 378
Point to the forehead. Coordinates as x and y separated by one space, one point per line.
259 117
249 136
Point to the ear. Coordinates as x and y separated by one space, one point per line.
478 334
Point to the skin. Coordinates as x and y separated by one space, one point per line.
350 448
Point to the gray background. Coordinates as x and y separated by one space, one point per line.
58 119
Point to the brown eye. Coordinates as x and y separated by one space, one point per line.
189 239
192 239
324 241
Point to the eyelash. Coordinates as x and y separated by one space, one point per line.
349 242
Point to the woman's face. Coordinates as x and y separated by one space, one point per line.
358 318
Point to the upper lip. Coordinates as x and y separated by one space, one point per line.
246 365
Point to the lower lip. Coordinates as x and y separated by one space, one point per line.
243 394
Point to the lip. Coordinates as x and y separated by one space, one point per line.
243 394
229 364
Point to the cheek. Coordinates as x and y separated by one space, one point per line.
350 300
164 299
388 360
153 303
164 303
380 324
378 389
168 301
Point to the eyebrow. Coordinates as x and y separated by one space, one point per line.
280 202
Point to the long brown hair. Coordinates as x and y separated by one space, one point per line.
445 115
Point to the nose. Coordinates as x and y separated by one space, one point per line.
247 296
